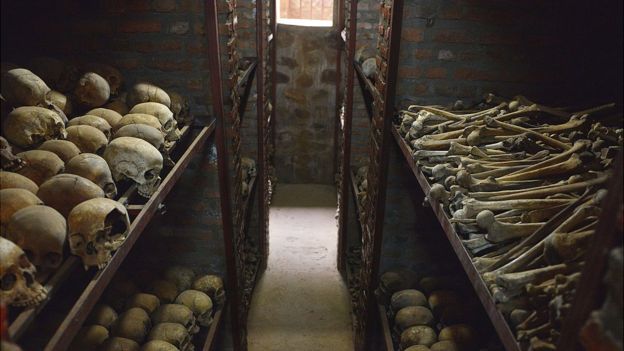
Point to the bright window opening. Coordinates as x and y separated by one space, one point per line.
309 13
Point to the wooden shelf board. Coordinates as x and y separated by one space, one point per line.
94 289
244 79
209 344
359 209
385 327
498 321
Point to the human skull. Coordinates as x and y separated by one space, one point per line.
146 92
173 333
13 200
41 165
87 138
181 276
249 167
174 313
111 116
64 191
135 159
94 121
444 345
110 73
440 299
21 87
369 67
164 289
393 281
64 149
133 324
120 290
418 335
211 285
94 168
147 133
158 345
8 161
96 228
412 315
140 118
148 302
181 109
17 277
92 90
41 232
28 126
89 338
103 315
463 335
10 180
405 298
199 303
61 101
164 115
119 344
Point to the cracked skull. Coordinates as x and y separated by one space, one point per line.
164 115
96 228
135 159
28 126
18 286
94 168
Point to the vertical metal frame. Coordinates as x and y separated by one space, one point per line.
388 44
214 62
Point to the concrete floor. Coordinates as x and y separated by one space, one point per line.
301 302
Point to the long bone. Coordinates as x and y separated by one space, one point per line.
472 207
467 181
484 135
544 191
574 123
572 164
456 117
497 172
537 249
545 139
428 142
498 231
518 280
464 150
551 225
577 147
566 247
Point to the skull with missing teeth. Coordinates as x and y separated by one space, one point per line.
135 159
96 228
17 277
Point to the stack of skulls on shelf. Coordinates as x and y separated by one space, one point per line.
70 137
163 314
436 316
248 171
523 185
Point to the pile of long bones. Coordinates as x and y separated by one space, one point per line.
70 136
523 185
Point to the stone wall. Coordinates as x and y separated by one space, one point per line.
305 111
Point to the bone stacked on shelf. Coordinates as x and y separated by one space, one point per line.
74 166
521 182
161 313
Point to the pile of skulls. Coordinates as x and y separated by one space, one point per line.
59 176
522 184
164 315
436 316
248 171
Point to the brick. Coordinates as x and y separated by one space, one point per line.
195 48
435 73
412 34
136 5
199 28
139 26
473 74
170 65
453 36
90 26
195 85
406 72
195 6
164 5
423 54
126 64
